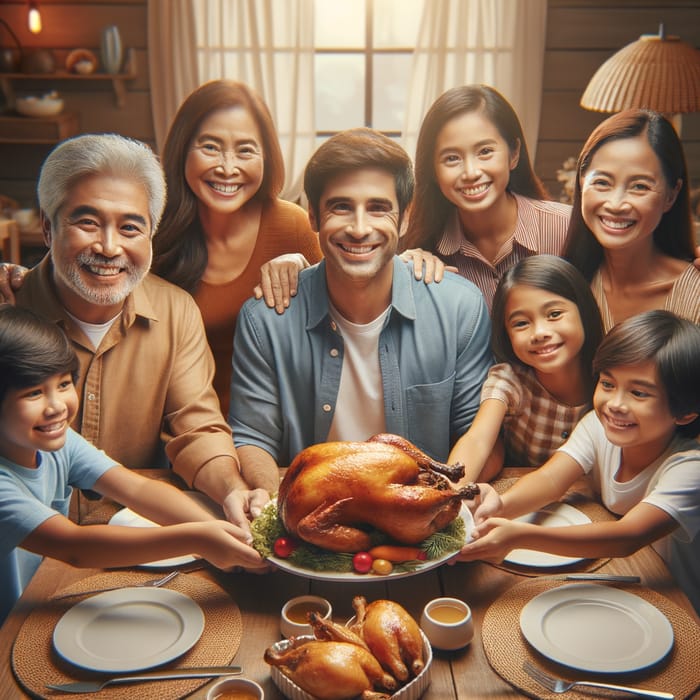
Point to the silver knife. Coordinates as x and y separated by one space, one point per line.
146 677
602 577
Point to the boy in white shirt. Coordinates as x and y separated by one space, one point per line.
637 447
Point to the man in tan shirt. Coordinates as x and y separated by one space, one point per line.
145 366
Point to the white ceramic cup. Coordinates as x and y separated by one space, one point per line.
447 623
293 618
230 687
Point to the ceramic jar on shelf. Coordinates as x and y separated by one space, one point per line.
112 51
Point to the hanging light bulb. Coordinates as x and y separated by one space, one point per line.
34 18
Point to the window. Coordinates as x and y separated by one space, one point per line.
362 64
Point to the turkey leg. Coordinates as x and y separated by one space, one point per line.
454 472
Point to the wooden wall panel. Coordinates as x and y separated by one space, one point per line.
581 35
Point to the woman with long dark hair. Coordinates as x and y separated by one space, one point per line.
224 219
631 230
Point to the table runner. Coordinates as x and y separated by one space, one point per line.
595 511
35 663
506 648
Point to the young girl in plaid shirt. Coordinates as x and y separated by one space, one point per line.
546 328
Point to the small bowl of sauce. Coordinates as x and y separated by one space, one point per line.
294 620
447 623
235 688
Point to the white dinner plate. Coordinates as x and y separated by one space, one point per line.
552 515
288 566
129 629
129 518
591 627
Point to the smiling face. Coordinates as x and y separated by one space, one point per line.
37 418
101 247
358 232
545 330
472 162
224 166
632 405
624 194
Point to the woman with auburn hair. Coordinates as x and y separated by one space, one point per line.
631 231
223 219
478 204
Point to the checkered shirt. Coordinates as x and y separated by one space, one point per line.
536 424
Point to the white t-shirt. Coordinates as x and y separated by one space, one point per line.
95 331
672 483
359 410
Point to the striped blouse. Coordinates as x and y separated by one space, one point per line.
541 228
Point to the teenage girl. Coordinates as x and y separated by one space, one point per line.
545 330
478 204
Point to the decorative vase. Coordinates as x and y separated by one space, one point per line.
111 50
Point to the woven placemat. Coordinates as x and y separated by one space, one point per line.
506 648
595 511
35 663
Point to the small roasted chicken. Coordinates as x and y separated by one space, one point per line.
333 492
391 634
333 670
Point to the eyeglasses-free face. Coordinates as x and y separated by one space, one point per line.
225 163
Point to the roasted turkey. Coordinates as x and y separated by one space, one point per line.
392 636
384 628
332 670
334 492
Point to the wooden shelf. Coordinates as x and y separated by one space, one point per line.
118 81
16 128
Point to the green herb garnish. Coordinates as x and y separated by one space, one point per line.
267 527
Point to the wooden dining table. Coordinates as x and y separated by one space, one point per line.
462 674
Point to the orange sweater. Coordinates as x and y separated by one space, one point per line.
284 228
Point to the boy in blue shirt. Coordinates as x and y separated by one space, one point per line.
42 459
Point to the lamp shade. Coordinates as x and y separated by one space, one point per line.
655 72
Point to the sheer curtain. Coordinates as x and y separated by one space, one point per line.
497 42
172 60
269 44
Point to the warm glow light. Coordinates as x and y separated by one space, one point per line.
34 18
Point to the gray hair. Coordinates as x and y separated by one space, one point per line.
100 154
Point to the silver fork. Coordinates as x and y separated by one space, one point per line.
558 685
152 583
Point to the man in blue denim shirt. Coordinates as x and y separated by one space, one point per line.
364 347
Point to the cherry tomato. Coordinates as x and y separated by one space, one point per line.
383 567
284 546
362 562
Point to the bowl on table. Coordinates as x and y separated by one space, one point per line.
235 688
447 623
293 619
45 106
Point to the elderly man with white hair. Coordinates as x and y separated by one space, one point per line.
145 366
